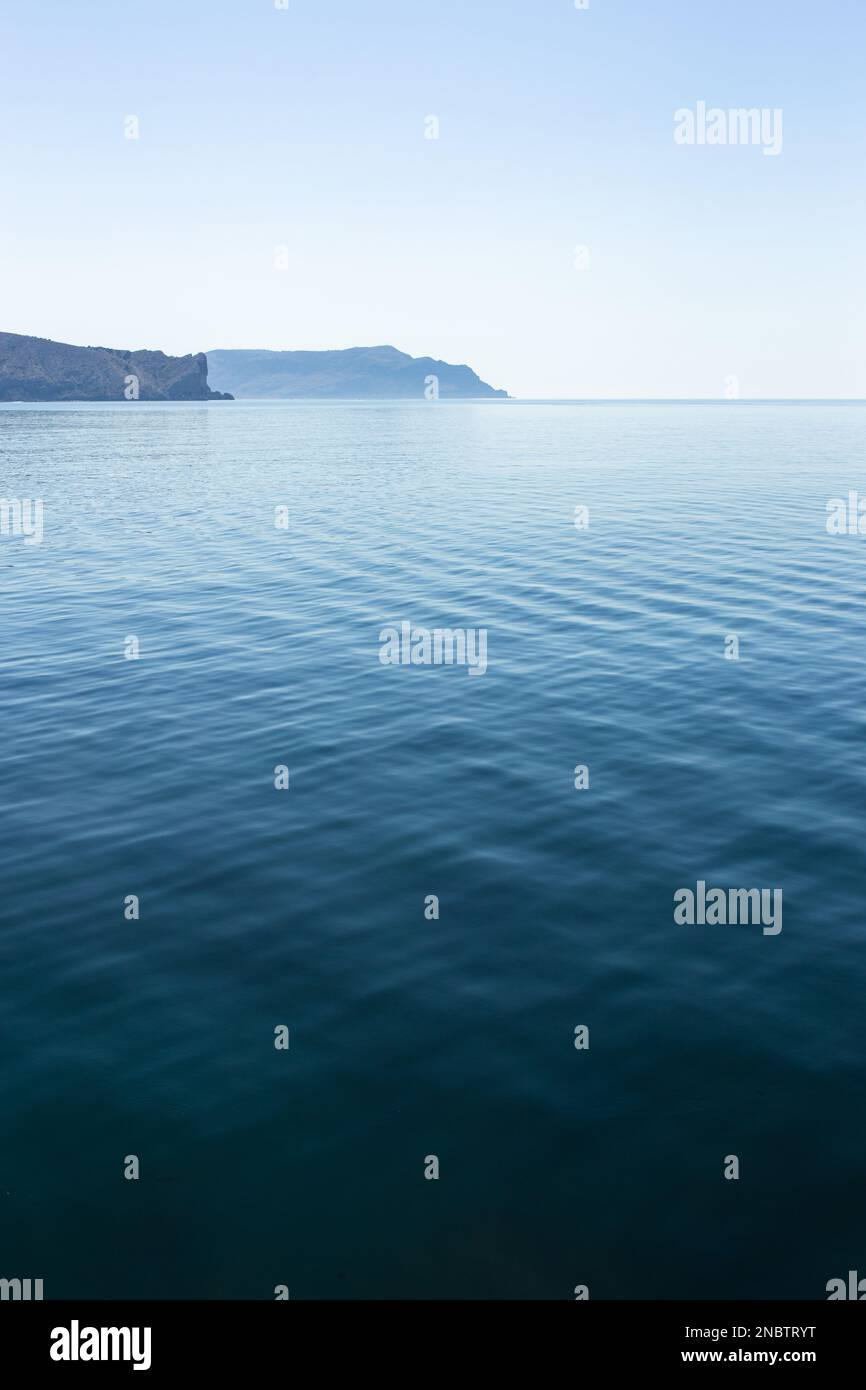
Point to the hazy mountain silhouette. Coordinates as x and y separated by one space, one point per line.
354 373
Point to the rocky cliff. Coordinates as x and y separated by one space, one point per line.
37 369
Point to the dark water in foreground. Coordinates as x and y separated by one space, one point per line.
412 1037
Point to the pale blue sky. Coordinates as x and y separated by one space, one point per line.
305 128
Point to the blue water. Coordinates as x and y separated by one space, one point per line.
412 1037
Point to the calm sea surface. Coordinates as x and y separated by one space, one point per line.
306 908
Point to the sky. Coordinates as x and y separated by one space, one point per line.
283 191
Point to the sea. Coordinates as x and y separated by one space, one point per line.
337 976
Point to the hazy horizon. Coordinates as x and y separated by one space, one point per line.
283 191
525 400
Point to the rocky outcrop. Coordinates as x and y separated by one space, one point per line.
37 369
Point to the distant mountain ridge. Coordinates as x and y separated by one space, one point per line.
39 369
373 373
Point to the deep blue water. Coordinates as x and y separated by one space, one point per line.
305 907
